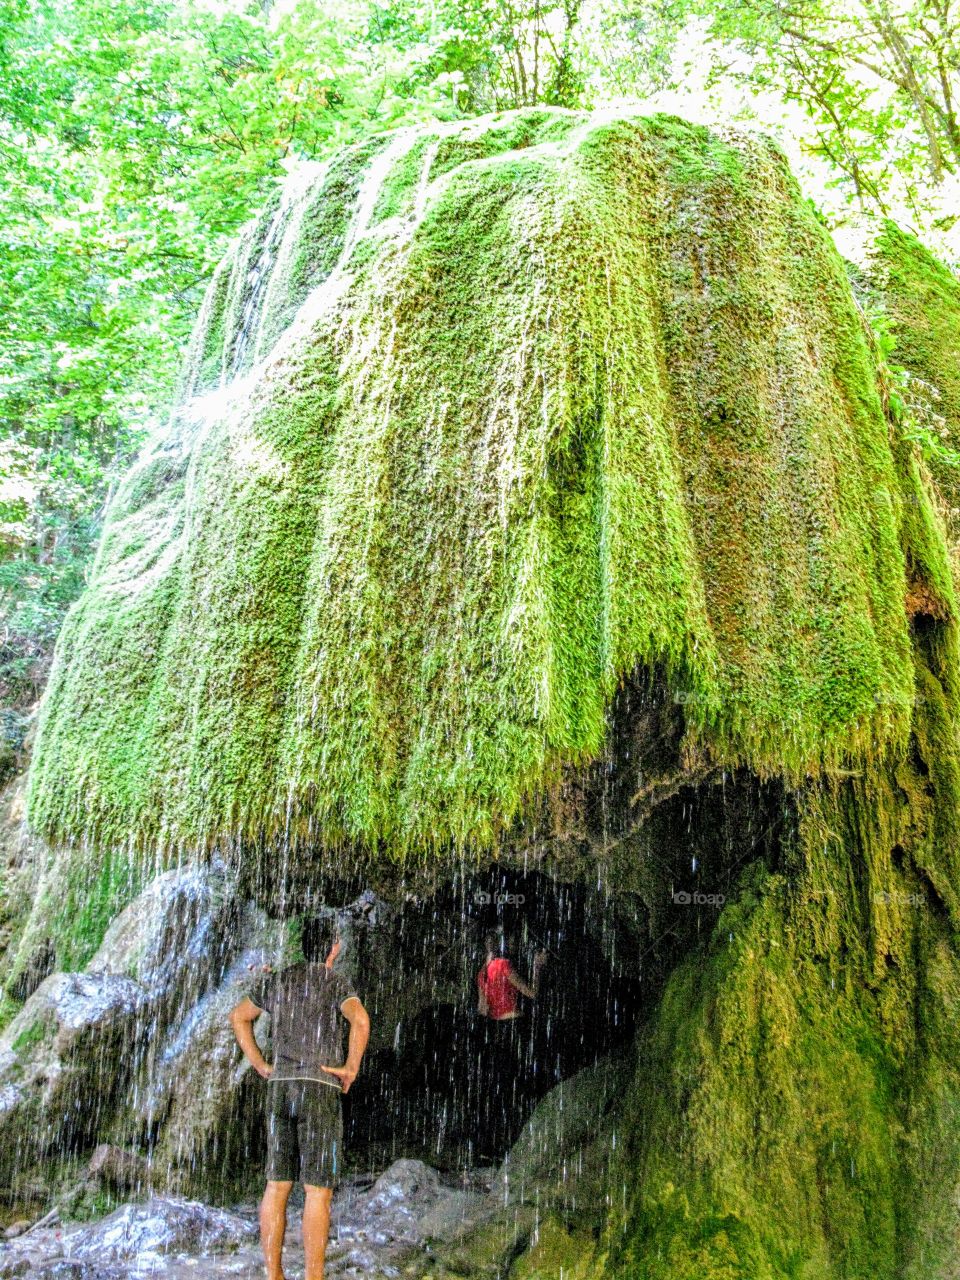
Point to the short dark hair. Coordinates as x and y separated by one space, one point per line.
317 936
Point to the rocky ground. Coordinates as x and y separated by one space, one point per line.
380 1227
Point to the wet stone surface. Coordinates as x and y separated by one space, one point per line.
378 1225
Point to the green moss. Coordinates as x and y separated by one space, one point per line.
608 403
487 1250
492 136
398 194
794 1111
30 1036
314 239
557 1254
89 1206
9 1009
919 298
204 365
77 897
244 291
89 904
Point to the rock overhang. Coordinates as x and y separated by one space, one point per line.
479 420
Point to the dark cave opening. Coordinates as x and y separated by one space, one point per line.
612 942
618 899
433 1089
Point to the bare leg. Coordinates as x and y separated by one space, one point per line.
273 1224
316 1228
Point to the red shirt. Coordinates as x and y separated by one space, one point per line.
494 983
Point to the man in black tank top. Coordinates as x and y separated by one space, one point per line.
307 1003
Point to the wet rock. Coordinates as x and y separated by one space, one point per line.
67 1269
201 1092
37 964
559 1159
388 1213
162 1226
61 1058
78 1008
13 729
147 1019
176 935
23 857
453 1213
117 1169
567 1122
487 1247
16 1229
386 1224
410 1182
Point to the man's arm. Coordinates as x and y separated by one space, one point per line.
539 960
242 1018
483 1005
359 1020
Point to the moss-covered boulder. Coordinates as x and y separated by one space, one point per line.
559 396
484 423
919 299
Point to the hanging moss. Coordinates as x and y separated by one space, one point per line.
76 897
313 239
919 298
598 398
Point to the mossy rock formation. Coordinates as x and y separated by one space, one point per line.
560 398
920 299
482 422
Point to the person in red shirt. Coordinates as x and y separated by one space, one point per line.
507 1049
498 983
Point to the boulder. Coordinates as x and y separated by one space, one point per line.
389 1213
62 1058
201 1094
549 1153
174 938
161 1226
454 1213
36 964
558 1161
146 1020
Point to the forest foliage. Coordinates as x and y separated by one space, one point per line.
137 136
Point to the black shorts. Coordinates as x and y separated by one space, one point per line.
304 1132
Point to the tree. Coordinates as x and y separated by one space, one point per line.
880 80
136 136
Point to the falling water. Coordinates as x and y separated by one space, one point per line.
446 1120
281 225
